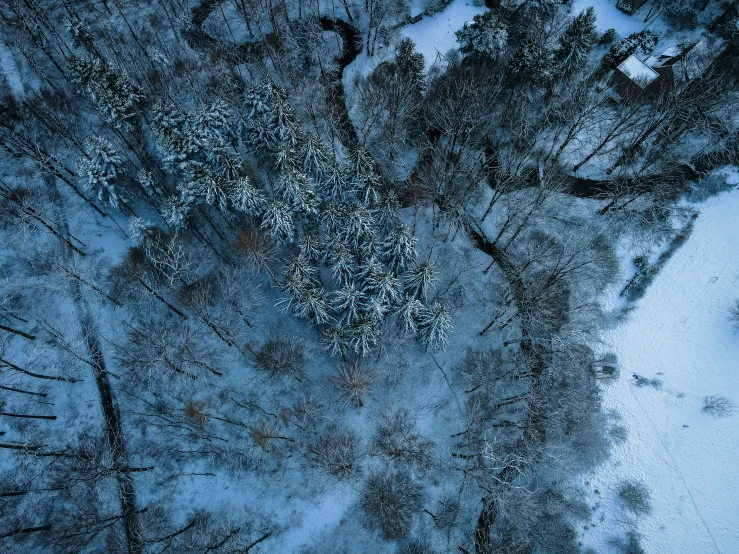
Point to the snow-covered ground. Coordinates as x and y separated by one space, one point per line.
434 35
609 17
679 333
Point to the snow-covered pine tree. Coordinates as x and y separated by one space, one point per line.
362 176
301 270
408 314
576 41
435 324
269 119
341 262
100 169
410 64
175 213
310 248
419 279
365 332
213 121
636 43
385 286
146 180
167 122
386 212
532 64
485 36
350 302
245 197
277 221
286 159
334 183
315 305
112 91
315 155
369 246
206 185
336 341
333 216
298 190
358 222
399 248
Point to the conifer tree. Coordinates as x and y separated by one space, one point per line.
420 278
399 248
113 92
577 39
277 221
365 332
532 64
100 169
410 64
435 325
245 197
485 36
408 314
336 340
350 301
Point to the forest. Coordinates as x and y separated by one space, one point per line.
275 277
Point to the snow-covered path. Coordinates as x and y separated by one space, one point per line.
679 333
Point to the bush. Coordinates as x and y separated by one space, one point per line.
636 43
336 451
608 37
389 502
718 406
398 438
635 497
282 357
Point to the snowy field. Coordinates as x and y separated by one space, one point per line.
679 333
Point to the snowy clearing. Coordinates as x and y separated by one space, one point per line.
434 35
609 17
680 334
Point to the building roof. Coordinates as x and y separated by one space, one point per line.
639 72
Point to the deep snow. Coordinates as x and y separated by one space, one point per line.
679 333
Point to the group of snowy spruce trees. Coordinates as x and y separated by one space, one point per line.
331 214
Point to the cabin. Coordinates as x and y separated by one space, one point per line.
634 78
668 69
415 15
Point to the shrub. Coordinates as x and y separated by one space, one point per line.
636 43
389 502
608 37
635 497
282 357
398 437
718 406
336 451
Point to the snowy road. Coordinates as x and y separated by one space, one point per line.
679 333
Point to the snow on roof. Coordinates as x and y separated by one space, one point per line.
637 71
